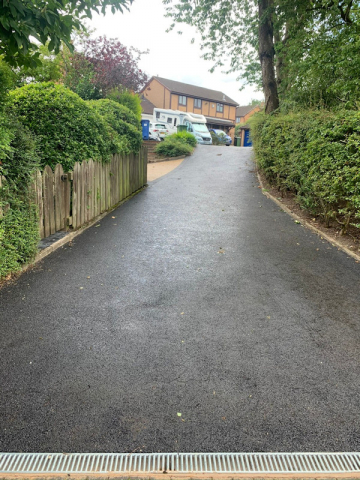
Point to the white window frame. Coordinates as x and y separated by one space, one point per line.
182 100
197 100
220 107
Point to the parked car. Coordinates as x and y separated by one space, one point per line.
221 136
160 129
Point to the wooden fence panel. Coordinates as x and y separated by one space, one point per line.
94 189
76 197
39 201
49 205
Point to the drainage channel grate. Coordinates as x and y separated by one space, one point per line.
253 463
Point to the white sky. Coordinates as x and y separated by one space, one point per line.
171 55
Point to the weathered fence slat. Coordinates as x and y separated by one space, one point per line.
89 190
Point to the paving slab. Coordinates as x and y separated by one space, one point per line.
197 317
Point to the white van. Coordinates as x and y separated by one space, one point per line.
196 124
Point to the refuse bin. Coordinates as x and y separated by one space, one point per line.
237 141
145 125
181 128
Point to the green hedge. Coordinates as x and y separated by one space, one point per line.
66 128
19 229
316 155
184 137
173 147
122 121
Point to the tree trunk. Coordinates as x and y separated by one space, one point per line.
266 54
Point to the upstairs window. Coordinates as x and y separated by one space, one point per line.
182 100
219 107
197 103
237 119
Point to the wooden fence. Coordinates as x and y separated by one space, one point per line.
75 198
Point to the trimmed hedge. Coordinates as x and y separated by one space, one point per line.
184 137
122 121
173 147
19 228
66 128
316 155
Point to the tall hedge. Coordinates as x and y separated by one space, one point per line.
19 229
316 155
121 120
66 128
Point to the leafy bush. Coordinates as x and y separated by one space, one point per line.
19 230
316 155
184 137
172 147
67 130
128 99
122 121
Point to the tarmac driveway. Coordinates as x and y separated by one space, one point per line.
196 317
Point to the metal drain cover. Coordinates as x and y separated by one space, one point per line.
180 463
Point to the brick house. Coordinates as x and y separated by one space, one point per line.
218 108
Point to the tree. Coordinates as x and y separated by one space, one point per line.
101 65
47 21
114 64
274 43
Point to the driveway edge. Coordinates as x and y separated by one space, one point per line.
305 223
68 238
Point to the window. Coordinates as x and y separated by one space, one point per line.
188 126
197 103
219 107
182 100
237 120
157 114
175 122
169 120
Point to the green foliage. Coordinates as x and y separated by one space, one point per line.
49 69
19 235
122 121
128 99
7 81
49 22
184 137
19 230
316 155
67 130
173 147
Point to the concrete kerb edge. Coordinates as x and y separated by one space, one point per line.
68 238
307 224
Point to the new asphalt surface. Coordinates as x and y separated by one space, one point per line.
196 317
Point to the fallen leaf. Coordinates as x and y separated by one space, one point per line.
113 217
179 414
81 288
182 313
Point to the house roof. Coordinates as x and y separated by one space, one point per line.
241 111
194 91
147 106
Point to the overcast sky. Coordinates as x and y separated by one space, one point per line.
171 55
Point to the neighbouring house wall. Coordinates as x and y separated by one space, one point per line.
232 113
167 98
156 93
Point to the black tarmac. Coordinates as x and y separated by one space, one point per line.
196 317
